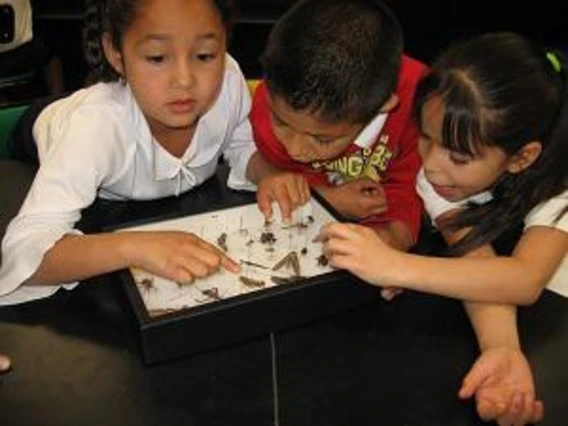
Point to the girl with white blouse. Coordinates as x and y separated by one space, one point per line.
169 103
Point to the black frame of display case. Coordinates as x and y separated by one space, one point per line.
228 321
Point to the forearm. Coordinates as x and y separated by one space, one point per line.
495 279
258 168
77 257
396 234
494 325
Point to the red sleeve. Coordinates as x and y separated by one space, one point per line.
269 146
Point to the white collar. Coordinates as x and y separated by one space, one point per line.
370 133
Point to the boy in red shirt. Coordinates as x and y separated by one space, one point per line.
335 113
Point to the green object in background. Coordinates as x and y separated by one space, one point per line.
8 117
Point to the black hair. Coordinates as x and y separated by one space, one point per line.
114 17
337 58
502 90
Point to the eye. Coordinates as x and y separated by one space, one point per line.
206 57
460 158
155 59
324 140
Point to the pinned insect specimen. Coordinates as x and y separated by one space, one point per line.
299 225
289 261
250 282
256 265
147 284
267 237
284 280
322 260
222 241
211 294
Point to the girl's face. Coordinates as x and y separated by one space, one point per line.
456 176
306 138
172 57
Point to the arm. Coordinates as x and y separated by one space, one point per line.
517 279
178 256
501 378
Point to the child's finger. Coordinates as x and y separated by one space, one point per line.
264 203
230 264
470 384
304 191
285 205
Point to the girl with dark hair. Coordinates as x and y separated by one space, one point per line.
493 115
168 104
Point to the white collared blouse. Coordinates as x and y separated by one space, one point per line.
96 143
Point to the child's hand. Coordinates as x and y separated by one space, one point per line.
178 256
357 199
4 363
289 190
502 383
362 252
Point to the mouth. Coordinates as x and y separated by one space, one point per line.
182 106
445 191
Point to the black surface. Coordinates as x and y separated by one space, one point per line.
77 361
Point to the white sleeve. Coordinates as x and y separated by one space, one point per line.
72 169
241 146
546 213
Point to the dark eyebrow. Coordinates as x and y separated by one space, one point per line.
163 37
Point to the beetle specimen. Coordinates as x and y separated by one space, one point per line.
322 260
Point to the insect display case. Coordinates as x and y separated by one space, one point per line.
284 280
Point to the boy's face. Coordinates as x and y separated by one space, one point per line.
305 137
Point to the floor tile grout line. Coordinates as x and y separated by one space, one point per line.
275 381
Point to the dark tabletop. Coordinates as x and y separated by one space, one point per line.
77 361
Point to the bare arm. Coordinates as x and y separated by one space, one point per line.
501 378
258 168
516 279
178 256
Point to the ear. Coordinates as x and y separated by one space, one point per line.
525 157
114 57
390 103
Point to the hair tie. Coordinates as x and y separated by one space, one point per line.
553 59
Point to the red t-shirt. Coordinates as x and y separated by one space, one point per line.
392 160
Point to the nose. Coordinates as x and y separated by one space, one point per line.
430 154
295 145
183 75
